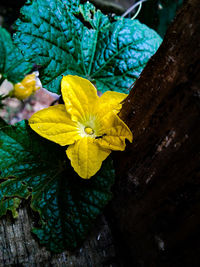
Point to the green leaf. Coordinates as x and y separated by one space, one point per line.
11 192
72 5
12 63
86 43
67 204
9 204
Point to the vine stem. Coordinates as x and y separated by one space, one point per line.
133 7
138 11
1 80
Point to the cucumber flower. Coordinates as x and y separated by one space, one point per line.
26 87
87 123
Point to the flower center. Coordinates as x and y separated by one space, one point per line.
89 130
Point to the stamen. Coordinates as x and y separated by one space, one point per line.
89 130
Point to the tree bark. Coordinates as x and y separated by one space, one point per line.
155 211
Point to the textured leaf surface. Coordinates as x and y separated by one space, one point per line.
9 204
12 63
84 43
72 5
67 204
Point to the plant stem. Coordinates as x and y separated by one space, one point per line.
1 80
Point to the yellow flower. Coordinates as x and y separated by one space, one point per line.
26 87
87 123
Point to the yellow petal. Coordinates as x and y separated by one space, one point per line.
79 95
111 101
114 132
55 124
86 157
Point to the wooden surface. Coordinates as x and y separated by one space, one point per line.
18 247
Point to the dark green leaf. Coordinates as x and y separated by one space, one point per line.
67 204
9 204
85 43
12 64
